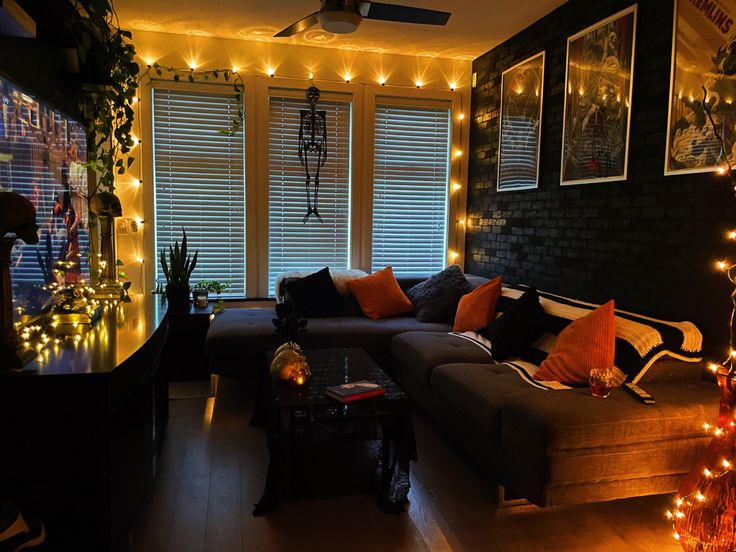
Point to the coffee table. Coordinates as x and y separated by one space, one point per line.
306 419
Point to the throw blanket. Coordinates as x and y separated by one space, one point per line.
640 340
340 277
523 368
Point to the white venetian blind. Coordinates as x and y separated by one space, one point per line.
293 244
199 174
410 180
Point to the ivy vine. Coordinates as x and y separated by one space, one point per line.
192 75
110 73
112 78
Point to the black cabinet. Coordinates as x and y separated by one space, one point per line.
185 357
84 429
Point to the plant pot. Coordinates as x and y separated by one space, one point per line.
201 297
178 298
703 512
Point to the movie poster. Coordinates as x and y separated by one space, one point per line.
521 117
600 65
703 55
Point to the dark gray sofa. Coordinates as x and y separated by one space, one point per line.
551 447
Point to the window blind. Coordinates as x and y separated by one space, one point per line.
292 244
199 174
410 180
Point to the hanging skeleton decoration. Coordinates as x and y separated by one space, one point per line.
312 139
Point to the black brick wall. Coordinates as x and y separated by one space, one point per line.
648 242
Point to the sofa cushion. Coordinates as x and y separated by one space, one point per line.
478 307
478 391
573 419
379 295
420 352
520 325
315 295
436 299
238 333
587 344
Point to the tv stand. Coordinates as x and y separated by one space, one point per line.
83 429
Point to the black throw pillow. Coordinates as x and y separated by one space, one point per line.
512 333
315 295
436 298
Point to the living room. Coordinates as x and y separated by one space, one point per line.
310 275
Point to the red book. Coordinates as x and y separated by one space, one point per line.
355 391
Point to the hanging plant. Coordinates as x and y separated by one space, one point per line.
110 74
228 75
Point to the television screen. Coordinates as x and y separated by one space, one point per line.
42 157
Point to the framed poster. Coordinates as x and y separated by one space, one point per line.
597 116
703 50
522 87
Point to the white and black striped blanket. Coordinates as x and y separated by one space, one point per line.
640 340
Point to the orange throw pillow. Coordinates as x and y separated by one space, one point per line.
586 344
379 295
478 308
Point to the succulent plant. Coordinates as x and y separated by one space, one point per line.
180 265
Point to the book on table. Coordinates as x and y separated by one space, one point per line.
354 391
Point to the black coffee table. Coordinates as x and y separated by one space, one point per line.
306 419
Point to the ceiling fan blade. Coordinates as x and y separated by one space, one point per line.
298 27
402 14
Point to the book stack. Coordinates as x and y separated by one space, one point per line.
355 391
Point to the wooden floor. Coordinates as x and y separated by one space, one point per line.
213 472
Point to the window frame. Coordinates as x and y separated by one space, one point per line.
256 100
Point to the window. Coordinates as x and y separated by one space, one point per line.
199 174
410 188
293 244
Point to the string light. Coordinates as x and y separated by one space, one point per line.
418 83
453 85
721 265
456 186
460 116
270 71
346 76
382 80
457 153
454 255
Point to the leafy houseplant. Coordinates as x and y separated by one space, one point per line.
177 271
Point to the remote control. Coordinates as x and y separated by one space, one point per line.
639 393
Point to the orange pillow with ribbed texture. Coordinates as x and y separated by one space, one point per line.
478 308
586 344
379 295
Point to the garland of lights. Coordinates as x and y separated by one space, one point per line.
724 433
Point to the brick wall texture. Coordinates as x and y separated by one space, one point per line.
648 242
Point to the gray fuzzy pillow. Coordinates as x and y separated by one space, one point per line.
436 298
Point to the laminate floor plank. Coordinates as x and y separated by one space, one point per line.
214 467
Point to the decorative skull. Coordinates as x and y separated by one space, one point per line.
18 215
105 204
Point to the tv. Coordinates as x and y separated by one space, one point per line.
43 155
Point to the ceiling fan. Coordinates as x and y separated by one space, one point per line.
344 16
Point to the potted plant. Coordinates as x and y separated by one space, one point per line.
201 294
217 288
177 271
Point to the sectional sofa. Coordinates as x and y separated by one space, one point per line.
548 446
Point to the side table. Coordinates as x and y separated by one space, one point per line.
184 355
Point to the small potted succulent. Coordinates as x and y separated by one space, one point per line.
177 270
